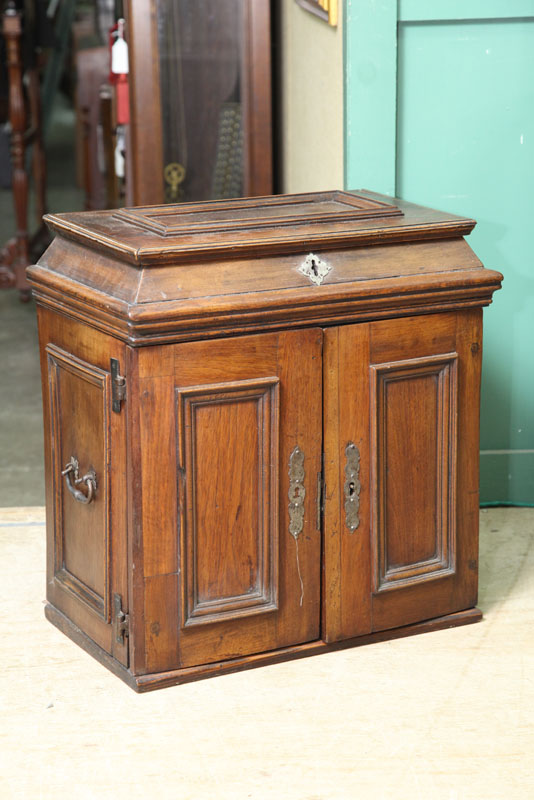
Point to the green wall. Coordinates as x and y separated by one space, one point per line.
440 111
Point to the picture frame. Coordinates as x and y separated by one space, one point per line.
324 9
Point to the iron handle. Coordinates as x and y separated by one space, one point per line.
72 478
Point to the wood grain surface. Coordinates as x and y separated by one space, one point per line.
294 465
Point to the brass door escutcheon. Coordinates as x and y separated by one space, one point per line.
72 478
352 486
297 492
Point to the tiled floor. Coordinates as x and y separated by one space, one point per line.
443 716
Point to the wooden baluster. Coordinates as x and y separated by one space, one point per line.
17 255
38 155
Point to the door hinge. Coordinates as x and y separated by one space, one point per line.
121 621
118 386
321 489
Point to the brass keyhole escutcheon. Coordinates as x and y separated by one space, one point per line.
352 486
297 492
315 268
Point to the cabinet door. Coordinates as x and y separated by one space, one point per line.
85 446
401 457
232 566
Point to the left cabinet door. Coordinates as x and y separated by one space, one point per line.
86 494
231 452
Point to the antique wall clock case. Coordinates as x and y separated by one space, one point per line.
261 424
200 100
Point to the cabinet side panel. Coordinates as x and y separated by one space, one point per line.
86 543
79 395
469 346
347 560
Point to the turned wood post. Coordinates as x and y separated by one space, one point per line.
12 30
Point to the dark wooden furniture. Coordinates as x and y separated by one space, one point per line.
200 99
261 429
26 131
92 71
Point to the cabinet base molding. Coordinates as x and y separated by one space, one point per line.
160 680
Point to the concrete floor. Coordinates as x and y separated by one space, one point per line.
21 423
21 435
443 716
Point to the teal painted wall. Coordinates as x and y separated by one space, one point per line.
441 112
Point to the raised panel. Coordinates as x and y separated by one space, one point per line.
228 437
413 423
80 429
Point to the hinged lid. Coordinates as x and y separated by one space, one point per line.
253 213
179 272
276 225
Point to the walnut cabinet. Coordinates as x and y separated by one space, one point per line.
261 424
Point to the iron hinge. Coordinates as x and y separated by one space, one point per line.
118 386
121 621
321 489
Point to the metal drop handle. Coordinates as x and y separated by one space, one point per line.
72 478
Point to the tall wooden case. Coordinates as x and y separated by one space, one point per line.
261 425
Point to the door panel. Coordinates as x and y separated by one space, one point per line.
413 465
424 550
412 553
230 556
242 583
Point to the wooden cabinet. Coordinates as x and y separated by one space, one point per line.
254 451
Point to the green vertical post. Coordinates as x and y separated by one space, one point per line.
370 94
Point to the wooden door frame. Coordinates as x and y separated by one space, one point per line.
370 42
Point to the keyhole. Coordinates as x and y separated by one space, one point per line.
351 489
314 267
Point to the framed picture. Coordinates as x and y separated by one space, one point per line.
325 9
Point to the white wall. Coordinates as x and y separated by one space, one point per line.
311 84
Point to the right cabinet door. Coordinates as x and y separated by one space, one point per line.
401 471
